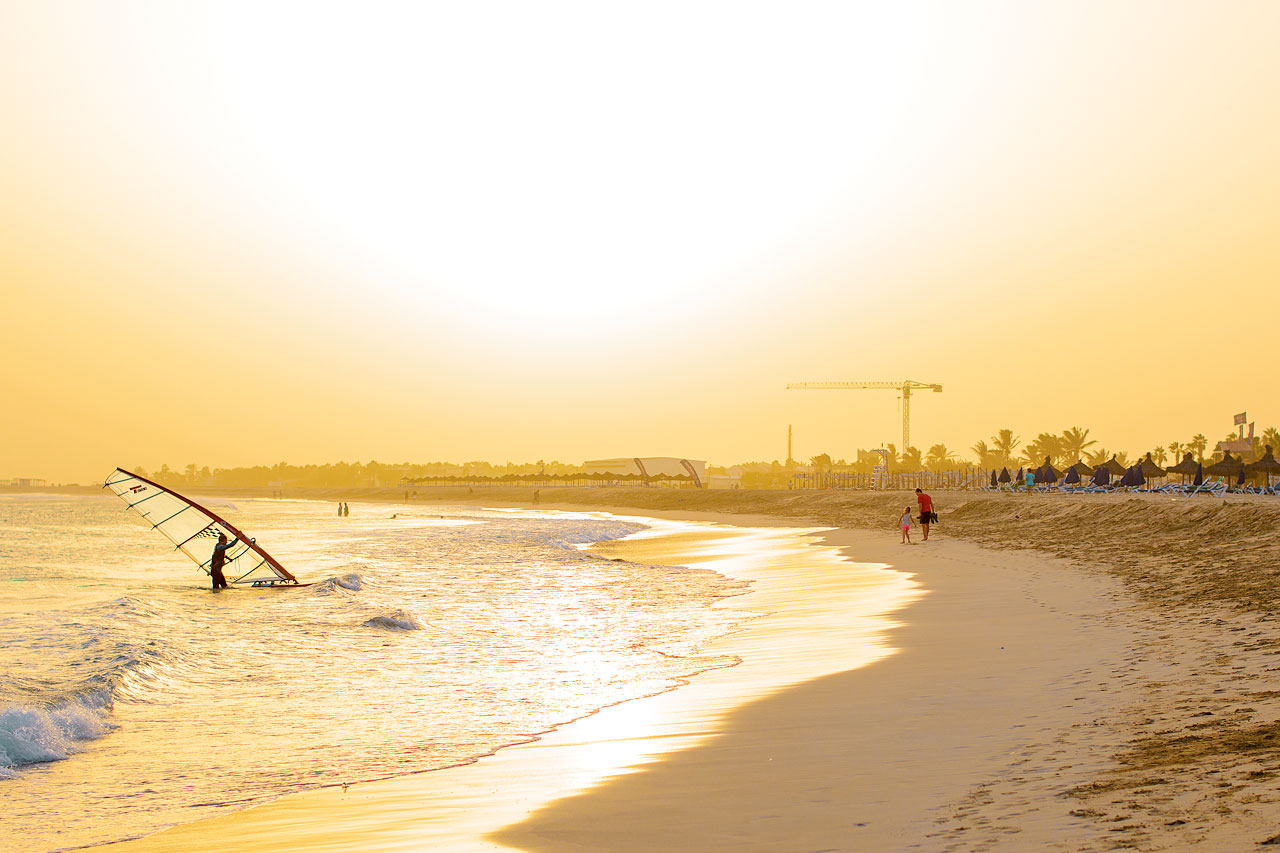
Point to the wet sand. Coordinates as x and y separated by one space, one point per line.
1032 702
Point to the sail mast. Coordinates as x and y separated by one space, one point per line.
186 524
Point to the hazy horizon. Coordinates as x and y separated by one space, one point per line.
235 234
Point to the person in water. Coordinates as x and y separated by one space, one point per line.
220 557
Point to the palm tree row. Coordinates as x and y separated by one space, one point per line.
1071 445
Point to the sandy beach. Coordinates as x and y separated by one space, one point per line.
1044 673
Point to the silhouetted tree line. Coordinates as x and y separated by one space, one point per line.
1004 449
347 474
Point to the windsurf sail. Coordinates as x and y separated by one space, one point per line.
194 530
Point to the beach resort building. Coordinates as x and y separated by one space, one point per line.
647 467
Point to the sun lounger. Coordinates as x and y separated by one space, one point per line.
1217 487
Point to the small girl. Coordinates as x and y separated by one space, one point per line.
905 521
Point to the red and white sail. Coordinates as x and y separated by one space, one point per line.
194 530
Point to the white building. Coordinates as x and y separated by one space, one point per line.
650 466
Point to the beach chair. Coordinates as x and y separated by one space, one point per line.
1217 487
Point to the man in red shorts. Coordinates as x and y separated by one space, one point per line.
926 511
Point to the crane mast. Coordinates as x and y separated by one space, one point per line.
904 387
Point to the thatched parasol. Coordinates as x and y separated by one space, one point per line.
1267 466
1101 476
1004 475
994 481
1114 468
1186 466
1083 468
1073 476
1150 469
1225 467
1050 474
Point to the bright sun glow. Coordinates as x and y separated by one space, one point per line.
565 161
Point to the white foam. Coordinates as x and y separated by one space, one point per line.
398 621
31 735
351 582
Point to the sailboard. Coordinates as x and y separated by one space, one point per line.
194 531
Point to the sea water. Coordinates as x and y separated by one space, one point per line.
132 697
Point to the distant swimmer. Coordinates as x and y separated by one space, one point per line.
220 557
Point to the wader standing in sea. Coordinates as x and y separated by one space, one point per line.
220 557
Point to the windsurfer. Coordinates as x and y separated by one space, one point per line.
220 557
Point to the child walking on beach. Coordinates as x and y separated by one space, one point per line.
905 521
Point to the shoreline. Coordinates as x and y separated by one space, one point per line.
589 748
1166 735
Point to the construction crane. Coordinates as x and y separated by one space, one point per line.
905 387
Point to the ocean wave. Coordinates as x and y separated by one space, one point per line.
35 735
398 621
351 582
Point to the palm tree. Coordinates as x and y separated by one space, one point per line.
1097 457
1075 442
1046 444
1005 444
911 460
1176 449
1158 455
1271 436
986 455
893 456
821 463
939 458
1197 446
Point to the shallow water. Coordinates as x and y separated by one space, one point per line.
132 697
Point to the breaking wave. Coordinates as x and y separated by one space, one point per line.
35 735
398 621
351 582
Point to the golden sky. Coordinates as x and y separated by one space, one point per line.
244 233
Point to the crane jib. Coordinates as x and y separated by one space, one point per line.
905 388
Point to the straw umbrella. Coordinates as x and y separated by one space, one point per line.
1083 468
1051 475
1186 467
1225 467
1004 475
1114 468
1150 470
1073 476
994 481
1101 476
1266 466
